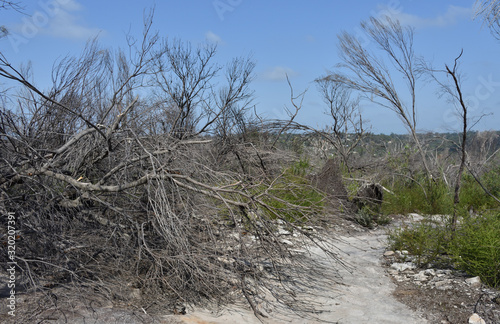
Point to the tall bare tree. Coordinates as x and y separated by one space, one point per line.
346 131
367 73
453 89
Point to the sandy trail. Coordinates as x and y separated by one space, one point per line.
364 297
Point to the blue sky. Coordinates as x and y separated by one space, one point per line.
282 36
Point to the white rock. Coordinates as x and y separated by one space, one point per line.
443 284
476 319
474 282
415 217
430 272
403 266
388 253
421 276
393 272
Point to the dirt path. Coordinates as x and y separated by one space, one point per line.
365 296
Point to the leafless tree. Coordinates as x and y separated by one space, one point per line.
346 131
371 76
489 10
453 89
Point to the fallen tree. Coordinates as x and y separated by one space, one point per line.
142 169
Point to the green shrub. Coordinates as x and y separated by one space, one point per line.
476 247
366 217
473 247
292 196
420 195
472 196
426 241
300 168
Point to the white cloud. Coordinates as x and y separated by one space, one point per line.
278 73
213 38
452 15
56 18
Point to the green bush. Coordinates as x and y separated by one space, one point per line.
426 241
476 247
419 195
292 196
472 196
473 247
366 217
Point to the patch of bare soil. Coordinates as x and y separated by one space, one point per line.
445 296
452 305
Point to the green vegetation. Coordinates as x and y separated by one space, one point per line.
426 241
292 196
418 195
370 217
472 196
473 246
424 196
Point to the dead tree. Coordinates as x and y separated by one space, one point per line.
368 74
453 89
453 73
346 130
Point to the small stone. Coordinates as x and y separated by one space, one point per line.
389 253
283 231
403 266
430 272
476 319
415 217
474 282
443 284
496 299
420 276
444 287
